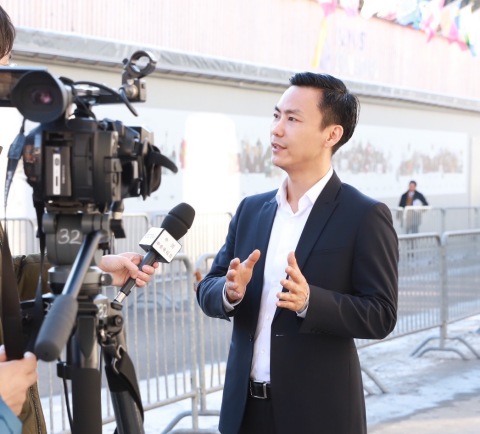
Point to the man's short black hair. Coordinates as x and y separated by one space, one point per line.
338 105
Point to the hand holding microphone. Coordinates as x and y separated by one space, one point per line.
124 265
161 244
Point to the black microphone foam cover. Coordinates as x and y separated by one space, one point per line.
179 220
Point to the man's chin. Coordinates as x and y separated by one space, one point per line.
276 162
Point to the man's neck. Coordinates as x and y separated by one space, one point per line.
297 186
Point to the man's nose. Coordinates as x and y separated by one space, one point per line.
277 128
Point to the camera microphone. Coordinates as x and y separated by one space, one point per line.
161 244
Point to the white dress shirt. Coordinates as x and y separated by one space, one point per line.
286 230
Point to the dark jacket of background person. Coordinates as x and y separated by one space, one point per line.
315 371
416 196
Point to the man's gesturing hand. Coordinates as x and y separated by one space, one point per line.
238 276
296 298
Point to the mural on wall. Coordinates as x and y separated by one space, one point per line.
228 156
437 160
223 158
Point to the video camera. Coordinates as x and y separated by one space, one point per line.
73 161
81 169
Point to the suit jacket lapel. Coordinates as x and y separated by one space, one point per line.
321 212
264 229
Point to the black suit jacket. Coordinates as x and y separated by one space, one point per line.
348 253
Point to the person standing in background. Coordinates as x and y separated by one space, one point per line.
412 217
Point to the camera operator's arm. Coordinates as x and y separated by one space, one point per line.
16 376
125 265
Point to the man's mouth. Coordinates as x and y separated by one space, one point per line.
277 147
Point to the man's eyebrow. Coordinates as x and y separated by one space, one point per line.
289 111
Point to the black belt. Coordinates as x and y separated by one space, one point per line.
260 390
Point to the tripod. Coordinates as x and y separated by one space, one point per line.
80 317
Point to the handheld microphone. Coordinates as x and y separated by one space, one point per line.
161 243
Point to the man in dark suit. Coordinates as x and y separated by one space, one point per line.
303 272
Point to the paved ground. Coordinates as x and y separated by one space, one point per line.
437 393
455 416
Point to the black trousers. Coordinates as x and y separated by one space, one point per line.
258 417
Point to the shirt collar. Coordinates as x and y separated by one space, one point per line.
311 195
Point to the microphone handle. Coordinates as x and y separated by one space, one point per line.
149 258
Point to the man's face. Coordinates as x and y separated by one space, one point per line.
297 138
412 186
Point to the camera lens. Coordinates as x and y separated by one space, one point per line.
42 97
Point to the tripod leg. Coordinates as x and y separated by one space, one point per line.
87 408
82 368
127 415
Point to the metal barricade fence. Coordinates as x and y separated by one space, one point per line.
460 288
418 219
460 218
21 236
214 341
419 286
415 219
180 354
419 283
207 233
135 226
462 265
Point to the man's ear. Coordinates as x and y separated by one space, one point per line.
335 133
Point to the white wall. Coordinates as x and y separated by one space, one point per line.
183 113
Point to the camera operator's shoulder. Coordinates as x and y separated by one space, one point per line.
27 269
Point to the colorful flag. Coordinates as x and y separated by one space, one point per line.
449 20
468 27
430 17
388 9
408 13
328 6
351 7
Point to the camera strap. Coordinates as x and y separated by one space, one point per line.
121 377
11 313
14 153
38 310
9 280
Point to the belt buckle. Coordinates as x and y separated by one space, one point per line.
264 389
